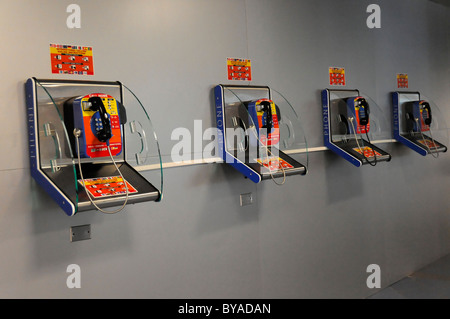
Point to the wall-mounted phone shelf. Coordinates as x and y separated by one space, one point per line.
87 141
349 119
418 123
256 128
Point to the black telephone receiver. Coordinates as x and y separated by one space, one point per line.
410 123
267 109
426 113
343 124
418 114
364 111
354 114
104 133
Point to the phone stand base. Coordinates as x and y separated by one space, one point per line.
426 144
277 167
139 189
365 152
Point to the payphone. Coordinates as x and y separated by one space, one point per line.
347 122
414 124
256 132
98 144
98 119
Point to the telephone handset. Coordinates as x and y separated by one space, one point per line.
355 114
418 116
101 123
98 117
265 115
267 120
426 114
360 111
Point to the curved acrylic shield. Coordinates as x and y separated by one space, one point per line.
438 129
380 125
340 112
142 151
293 139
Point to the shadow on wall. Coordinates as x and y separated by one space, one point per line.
51 233
219 188
344 181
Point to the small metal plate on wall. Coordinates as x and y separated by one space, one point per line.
246 199
78 233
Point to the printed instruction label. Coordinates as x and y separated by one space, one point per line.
368 152
107 186
71 59
429 144
274 164
337 76
239 69
402 81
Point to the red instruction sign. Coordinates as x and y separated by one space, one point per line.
428 143
402 81
274 163
107 186
71 59
368 152
337 76
239 69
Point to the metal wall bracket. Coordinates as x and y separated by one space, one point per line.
82 232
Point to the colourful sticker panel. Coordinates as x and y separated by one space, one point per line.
239 69
402 81
107 186
274 164
337 76
274 134
429 144
368 152
71 59
95 148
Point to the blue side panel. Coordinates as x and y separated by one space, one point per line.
220 120
36 173
397 129
51 190
327 134
32 138
326 119
396 116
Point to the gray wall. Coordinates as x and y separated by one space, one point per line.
312 237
